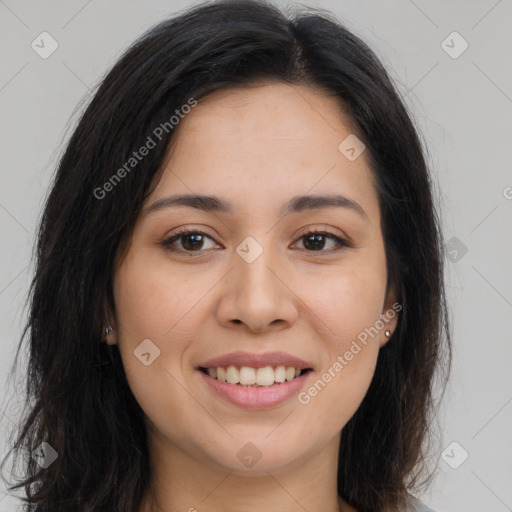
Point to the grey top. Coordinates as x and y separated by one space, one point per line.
415 505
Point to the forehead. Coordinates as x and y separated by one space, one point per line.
263 145
275 111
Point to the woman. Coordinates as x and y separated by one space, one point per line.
238 302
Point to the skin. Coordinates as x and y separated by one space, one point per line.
256 147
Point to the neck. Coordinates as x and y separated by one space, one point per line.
181 482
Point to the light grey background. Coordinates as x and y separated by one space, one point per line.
463 106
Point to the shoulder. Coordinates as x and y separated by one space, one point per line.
416 505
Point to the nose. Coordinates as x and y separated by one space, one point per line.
258 295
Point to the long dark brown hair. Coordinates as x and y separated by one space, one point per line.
77 396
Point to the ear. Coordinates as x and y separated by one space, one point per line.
389 315
111 336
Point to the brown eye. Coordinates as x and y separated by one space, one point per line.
316 241
190 241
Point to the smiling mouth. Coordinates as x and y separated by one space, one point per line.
246 376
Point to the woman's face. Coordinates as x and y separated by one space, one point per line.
250 286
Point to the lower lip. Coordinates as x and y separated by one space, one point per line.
256 397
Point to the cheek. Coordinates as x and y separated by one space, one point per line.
152 300
344 309
346 301
340 385
149 307
341 389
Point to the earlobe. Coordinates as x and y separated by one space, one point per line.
386 337
389 318
110 335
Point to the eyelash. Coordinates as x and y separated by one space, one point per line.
167 243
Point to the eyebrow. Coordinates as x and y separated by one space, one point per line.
295 205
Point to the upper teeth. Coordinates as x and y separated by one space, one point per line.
249 376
